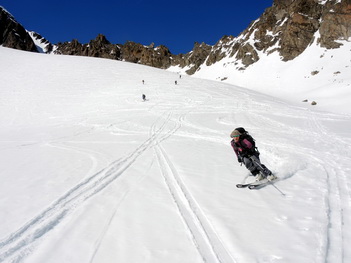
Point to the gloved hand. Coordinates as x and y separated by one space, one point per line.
240 160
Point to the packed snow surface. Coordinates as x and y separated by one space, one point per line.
92 173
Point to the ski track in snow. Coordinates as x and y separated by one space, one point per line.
337 197
204 237
259 112
20 243
337 200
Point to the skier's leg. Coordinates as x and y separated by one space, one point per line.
261 167
265 170
255 167
250 165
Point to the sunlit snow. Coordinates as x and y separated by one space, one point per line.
92 173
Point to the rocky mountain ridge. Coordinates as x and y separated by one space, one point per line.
13 34
288 28
159 57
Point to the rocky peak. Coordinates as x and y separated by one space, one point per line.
13 34
99 41
98 47
288 27
290 24
159 56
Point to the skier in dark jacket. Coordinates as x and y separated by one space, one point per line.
246 152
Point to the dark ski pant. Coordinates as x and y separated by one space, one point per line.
253 164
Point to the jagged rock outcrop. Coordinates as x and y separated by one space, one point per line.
193 59
132 52
13 34
336 24
288 27
99 47
43 45
218 54
159 57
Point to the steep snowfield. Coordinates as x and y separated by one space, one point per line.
91 173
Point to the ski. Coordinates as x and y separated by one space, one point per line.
259 184
256 185
242 185
250 184
262 184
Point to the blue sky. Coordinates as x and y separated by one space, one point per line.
175 24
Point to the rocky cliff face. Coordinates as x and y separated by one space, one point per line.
159 56
293 25
13 34
336 23
288 27
194 59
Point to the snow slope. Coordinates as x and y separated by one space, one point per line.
91 173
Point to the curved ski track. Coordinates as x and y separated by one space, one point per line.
20 243
204 237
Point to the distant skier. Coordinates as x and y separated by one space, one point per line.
143 82
175 82
144 97
244 147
